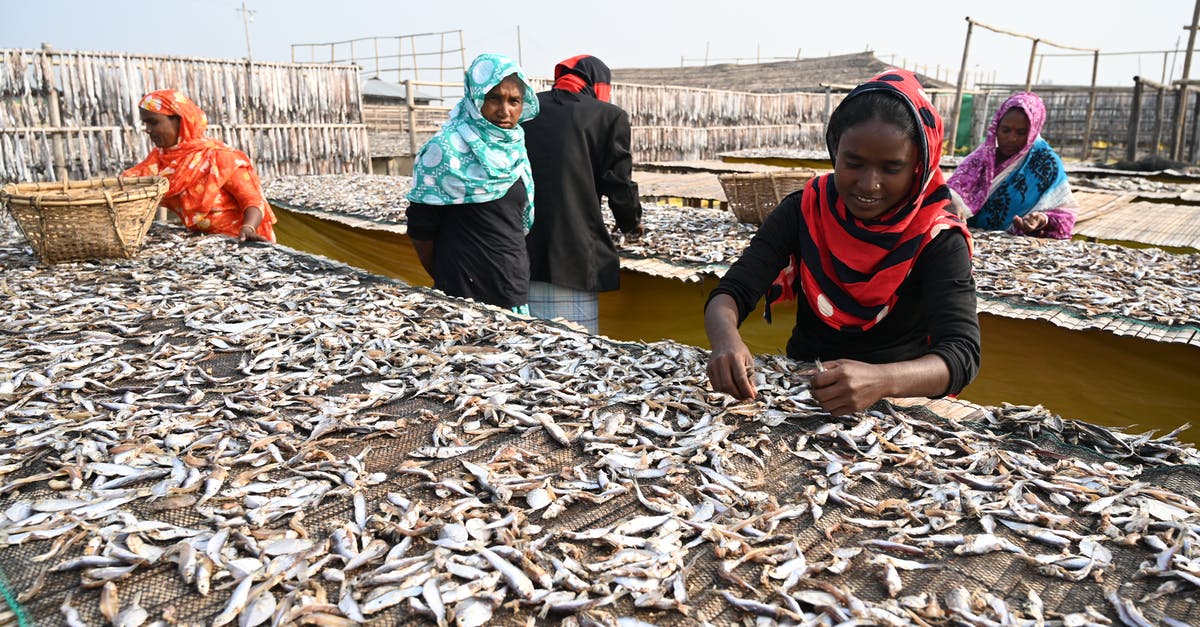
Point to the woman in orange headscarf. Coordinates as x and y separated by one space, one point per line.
214 189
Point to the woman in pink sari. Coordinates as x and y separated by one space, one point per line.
1015 181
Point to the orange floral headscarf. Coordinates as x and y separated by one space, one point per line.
211 183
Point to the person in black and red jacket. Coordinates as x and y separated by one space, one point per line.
579 151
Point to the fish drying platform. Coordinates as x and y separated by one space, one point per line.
1145 293
214 433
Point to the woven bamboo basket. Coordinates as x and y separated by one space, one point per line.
753 195
85 220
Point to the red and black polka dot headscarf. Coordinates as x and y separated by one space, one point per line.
851 269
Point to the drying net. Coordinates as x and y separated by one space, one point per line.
214 433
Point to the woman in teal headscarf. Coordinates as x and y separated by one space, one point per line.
472 194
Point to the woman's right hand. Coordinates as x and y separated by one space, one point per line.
250 234
730 364
731 370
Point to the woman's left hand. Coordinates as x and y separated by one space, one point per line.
848 386
250 234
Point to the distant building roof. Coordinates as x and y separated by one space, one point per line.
775 77
379 88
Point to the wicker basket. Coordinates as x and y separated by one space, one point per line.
84 220
753 195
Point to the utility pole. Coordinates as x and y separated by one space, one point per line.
520 59
246 17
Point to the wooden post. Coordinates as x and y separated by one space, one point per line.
462 51
1191 158
1181 96
442 59
1087 127
1029 72
1160 112
412 116
828 103
60 155
982 117
1135 117
958 92
412 46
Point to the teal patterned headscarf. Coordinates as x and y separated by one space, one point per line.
471 160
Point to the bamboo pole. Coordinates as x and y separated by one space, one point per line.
1135 118
1195 131
958 91
1024 36
1029 72
1087 128
1159 114
1181 95
60 157
412 116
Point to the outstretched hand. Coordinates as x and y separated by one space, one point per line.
847 386
250 234
731 370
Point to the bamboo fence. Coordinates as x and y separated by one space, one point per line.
1127 122
690 123
74 114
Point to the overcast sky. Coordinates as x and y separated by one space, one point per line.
642 33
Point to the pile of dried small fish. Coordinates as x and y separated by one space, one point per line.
373 196
391 144
685 236
1036 422
1094 279
1133 184
284 441
1088 278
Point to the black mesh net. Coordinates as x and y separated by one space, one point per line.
308 375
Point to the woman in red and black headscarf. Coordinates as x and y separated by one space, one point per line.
880 264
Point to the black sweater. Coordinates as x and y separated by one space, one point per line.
479 248
579 151
934 311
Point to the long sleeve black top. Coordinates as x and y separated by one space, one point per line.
579 151
479 248
934 312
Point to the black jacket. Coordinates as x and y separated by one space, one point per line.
579 151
